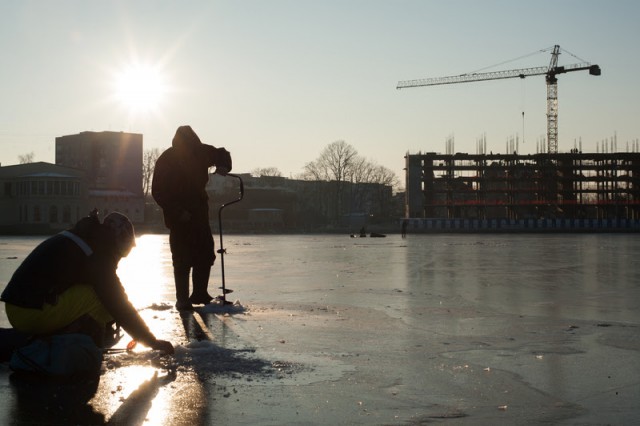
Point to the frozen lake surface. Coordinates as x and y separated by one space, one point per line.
327 329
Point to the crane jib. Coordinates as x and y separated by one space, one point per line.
498 75
549 72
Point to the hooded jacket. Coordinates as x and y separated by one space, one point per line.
83 255
181 174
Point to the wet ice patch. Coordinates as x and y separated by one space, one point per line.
159 307
215 351
211 362
146 358
222 308
215 307
206 359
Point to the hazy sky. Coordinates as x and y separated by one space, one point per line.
276 81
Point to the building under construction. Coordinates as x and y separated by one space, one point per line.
538 191
512 187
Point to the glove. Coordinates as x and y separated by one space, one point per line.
223 161
163 346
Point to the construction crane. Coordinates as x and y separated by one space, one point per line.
550 72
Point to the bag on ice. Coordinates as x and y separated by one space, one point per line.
60 355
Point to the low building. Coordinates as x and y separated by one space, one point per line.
113 200
41 198
276 203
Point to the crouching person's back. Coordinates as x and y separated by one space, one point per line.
66 296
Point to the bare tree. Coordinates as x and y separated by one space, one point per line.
26 158
333 165
385 178
344 170
266 171
149 158
361 170
334 162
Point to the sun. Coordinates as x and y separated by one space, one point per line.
140 88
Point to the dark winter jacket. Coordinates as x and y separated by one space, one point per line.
83 255
181 174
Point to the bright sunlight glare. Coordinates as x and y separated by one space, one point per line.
145 271
140 88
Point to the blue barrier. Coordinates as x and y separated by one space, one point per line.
525 225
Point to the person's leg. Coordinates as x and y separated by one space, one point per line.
203 256
200 284
179 242
78 309
181 277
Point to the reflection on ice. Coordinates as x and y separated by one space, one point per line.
143 405
38 402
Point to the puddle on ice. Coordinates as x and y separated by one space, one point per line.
211 362
232 360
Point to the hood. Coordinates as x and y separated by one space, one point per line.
186 139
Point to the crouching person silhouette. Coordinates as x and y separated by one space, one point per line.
68 285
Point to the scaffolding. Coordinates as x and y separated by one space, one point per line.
571 185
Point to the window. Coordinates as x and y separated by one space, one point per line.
36 214
7 189
66 214
53 214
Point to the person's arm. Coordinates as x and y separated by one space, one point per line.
218 157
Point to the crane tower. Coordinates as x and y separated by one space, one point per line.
550 72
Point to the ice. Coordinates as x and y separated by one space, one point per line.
470 329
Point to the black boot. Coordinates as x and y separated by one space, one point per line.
200 284
181 277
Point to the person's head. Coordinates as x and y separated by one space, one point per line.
121 228
186 140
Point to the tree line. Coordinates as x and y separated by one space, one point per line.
338 162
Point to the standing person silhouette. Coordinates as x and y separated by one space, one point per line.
178 186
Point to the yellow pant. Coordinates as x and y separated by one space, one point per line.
77 301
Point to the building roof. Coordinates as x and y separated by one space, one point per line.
39 169
47 174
